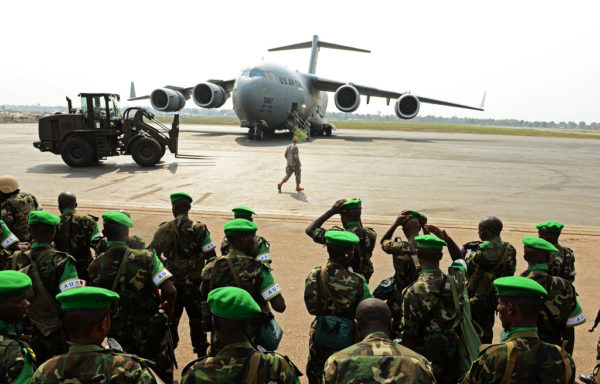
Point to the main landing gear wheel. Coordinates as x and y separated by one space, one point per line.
77 152
146 151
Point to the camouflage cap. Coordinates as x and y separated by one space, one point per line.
518 286
43 217
430 241
86 298
118 218
8 184
243 211
180 195
343 239
537 243
232 303
13 283
351 204
550 226
239 227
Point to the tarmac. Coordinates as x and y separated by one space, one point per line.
455 179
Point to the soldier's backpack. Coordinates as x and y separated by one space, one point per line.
513 353
335 332
481 282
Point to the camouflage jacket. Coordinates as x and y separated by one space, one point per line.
429 313
262 251
560 308
75 234
533 361
362 251
133 242
232 365
16 358
93 364
254 277
377 359
487 264
7 238
15 213
136 286
183 243
347 288
562 263
406 262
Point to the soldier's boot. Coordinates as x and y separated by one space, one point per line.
279 187
299 188
586 378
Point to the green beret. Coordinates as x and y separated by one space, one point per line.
243 210
180 195
537 243
117 217
342 239
351 204
550 226
86 298
430 241
232 303
13 283
239 227
518 286
414 214
43 217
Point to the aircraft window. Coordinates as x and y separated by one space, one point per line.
246 73
272 77
256 73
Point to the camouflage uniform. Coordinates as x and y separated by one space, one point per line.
57 273
377 359
231 365
15 213
7 240
362 251
254 277
76 234
406 272
93 364
137 323
484 266
133 242
16 358
430 316
560 310
562 263
532 361
349 289
261 251
183 243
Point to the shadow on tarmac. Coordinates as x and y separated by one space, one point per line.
300 196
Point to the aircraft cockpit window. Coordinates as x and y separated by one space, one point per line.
271 76
246 72
256 73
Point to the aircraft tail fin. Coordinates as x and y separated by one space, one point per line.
315 44
132 91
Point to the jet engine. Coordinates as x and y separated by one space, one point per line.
209 95
167 100
407 106
347 98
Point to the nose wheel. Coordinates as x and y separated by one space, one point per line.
256 133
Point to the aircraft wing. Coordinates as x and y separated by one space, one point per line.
227 85
332 85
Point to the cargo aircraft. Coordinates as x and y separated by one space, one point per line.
270 97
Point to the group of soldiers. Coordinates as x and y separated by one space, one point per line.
58 302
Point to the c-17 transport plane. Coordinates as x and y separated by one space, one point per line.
270 97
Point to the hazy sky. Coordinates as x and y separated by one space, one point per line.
538 60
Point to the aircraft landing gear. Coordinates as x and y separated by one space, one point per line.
327 130
256 133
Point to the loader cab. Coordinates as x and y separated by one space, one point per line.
101 111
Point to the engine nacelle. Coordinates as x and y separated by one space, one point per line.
347 98
209 95
167 100
407 106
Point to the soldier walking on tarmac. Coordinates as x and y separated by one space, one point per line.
293 165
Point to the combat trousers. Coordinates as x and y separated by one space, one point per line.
317 356
188 297
295 170
483 310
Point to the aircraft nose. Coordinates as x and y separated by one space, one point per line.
248 98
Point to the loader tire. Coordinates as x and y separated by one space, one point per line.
146 151
77 152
